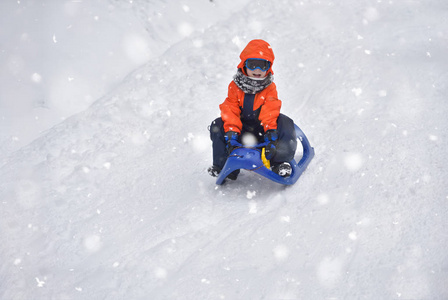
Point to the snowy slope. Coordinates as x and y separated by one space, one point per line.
58 57
115 203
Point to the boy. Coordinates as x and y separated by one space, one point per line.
252 106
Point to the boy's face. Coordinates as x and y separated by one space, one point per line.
257 73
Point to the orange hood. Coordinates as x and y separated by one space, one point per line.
257 49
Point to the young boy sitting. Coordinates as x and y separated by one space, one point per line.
252 106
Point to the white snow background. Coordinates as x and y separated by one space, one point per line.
110 199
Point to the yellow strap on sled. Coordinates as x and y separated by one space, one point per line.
266 162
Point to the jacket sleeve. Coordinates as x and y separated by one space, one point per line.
231 111
271 109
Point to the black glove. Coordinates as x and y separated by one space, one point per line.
271 137
231 138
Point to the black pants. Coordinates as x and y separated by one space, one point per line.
286 147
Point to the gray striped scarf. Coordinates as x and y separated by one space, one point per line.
250 85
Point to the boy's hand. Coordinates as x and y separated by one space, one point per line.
271 137
231 141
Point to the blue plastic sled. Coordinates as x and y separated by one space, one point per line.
250 159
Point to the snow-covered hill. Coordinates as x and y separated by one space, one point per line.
115 202
58 57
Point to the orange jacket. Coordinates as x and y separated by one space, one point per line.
267 99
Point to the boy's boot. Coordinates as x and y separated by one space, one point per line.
283 169
215 170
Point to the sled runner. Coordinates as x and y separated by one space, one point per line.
252 159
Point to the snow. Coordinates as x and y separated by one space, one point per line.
104 191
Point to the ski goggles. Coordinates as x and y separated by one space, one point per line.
258 63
